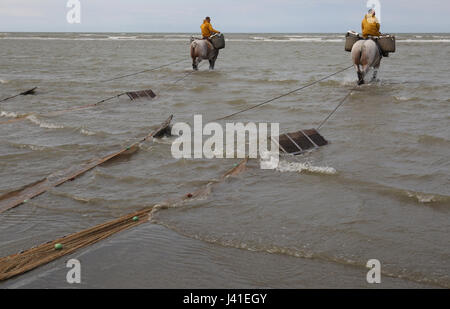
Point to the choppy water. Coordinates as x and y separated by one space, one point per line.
380 190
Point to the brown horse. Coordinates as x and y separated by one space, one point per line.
366 55
202 50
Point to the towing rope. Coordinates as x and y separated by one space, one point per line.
285 94
336 108
59 112
144 71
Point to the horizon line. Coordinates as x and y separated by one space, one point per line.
171 32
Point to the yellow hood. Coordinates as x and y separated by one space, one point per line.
371 19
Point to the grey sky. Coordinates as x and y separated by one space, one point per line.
228 15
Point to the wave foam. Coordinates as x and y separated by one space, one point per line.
87 132
299 167
424 41
44 124
8 114
270 161
422 197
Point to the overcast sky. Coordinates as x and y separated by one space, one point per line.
227 15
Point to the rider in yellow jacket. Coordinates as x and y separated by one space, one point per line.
370 25
207 28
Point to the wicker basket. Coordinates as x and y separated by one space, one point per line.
350 39
387 43
218 41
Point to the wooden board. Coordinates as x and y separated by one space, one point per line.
134 95
300 141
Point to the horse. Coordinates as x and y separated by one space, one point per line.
202 50
366 55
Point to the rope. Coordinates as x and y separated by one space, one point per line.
336 108
283 95
123 93
84 106
186 75
58 112
144 71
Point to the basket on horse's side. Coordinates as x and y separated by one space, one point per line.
218 40
350 39
387 43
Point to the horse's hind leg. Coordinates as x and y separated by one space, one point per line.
360 75
195 63
375 70
360 78
374 76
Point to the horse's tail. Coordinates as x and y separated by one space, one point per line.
363 52
357 57
358 53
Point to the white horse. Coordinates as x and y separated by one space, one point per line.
366 55
203 49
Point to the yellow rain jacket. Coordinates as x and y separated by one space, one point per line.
207 29
370 26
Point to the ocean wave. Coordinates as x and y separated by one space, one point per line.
87 132
43 124
300 252
423 41
285 166
268 161
176 39
424 198
97 39
315 40
269 81
166 140
90 200
27 146
429 139
402 98
122 37
290 39
8 114
405 194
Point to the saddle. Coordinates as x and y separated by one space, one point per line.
210 45
375 39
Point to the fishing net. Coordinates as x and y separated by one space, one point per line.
22 195
27 260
